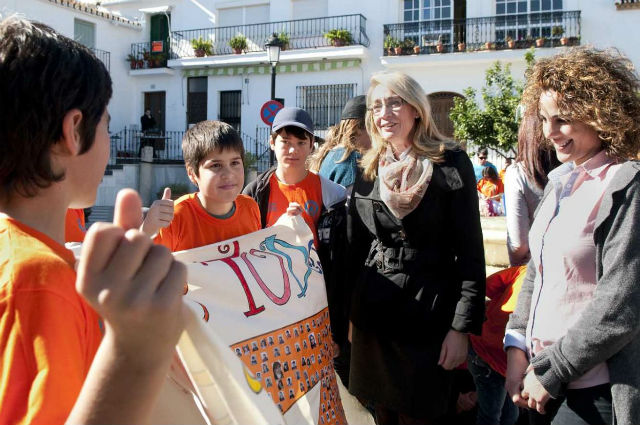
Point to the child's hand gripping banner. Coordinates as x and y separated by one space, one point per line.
257 346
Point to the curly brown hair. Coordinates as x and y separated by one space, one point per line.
596 87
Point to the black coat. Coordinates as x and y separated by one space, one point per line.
420 277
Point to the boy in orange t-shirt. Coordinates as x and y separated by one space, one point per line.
214 153
74 225
290 183
60 362
487 361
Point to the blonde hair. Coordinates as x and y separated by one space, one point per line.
426 141
344 133
598 88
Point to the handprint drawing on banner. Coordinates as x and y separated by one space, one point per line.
270 244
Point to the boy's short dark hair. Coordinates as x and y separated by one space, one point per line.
43 75
207 136
295 131
483 152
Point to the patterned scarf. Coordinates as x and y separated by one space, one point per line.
403 181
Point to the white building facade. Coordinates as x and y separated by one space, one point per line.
181 89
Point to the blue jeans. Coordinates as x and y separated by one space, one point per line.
494 405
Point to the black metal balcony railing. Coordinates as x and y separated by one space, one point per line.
144 56
520 31
104 56
127 144
302 34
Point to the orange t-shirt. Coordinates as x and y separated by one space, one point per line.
74 226
192 226
48 333
488 188
503 288
307 193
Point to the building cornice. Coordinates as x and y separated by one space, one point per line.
97 11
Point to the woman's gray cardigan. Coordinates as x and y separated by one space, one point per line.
608 328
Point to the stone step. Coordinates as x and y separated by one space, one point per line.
100 213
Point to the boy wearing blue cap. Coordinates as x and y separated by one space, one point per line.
290 183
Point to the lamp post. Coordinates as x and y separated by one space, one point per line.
273 46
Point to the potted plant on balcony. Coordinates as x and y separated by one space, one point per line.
133 60
339 37
557 32
511 43
202 47
284 40
238 43
439 45
489 45
146 56
160 60
540 41
408 46
390 43
462 46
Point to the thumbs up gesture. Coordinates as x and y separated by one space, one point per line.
136 287
159 215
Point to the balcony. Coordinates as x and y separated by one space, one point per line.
104 56
151 54
549 29
301 34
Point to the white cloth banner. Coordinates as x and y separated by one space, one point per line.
257 346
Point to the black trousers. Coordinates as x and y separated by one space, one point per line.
582 406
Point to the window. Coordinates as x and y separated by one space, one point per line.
243 15
436 21
324 103
196 99
426 10
520 19
84 33
305 9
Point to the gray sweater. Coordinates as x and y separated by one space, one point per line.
521 199
609 327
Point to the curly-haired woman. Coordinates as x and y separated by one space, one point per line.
572 342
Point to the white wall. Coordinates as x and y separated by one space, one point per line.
115 39
257 90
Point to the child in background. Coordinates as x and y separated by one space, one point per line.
490 184
59 363
487 360
290 181
213 153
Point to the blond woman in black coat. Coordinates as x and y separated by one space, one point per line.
419 271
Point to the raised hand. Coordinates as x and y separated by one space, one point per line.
159 215
136 287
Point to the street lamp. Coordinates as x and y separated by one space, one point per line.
273 46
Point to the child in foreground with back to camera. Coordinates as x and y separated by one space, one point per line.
59 362
213 154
